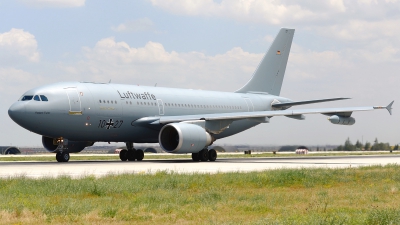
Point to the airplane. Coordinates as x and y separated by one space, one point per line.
73 115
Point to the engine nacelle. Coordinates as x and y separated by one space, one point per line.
50 144
183 138
342 120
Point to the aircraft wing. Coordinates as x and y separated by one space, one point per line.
346 112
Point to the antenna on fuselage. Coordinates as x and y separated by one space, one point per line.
155 85
109 81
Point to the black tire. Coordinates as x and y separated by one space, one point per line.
203 155
64 156
123 155
58 157
139 155
195 157
212 155
131 155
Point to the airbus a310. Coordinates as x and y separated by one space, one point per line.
73 115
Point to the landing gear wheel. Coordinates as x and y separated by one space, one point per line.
212 155
131 155
139 155
203 155
62 156
123 155
58 157
65 156
195 157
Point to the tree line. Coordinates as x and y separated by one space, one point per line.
349 146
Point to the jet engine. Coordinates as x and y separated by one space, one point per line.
341 120
183 138
50 144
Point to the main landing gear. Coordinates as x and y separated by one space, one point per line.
205 155
131 154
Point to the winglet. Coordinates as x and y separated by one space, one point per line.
388 107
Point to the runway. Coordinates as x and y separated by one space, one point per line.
78 169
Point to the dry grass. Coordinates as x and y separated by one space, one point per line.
367 195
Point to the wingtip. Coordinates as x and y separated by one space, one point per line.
389 107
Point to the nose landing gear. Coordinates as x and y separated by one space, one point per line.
62 155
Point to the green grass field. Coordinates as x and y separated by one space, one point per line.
368 195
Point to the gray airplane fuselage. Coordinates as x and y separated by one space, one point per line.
106 112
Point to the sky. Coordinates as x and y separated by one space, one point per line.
340 49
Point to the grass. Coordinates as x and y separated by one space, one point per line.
78 157
368 195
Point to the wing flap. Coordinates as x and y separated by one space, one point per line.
290 104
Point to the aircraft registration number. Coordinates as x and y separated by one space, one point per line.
110 124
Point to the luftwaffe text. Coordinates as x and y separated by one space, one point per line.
130 95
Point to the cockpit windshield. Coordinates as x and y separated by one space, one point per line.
42 98
26 97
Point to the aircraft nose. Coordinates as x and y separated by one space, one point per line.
17 111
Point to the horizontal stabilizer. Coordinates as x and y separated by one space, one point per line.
289 104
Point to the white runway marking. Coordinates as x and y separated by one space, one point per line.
78 169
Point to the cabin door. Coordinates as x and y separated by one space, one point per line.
160 106
74 100
250 106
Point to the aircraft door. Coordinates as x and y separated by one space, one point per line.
160 106
74 101
250 106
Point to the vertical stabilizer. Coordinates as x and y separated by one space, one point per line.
271 70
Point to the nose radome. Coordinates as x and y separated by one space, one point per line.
16 111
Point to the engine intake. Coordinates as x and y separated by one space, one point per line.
342 120
183 138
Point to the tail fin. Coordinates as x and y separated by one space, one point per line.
270 72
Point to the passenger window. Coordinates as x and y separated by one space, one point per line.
44 98
27 98
36 98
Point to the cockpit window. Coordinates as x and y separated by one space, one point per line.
27 98
44 98
36 98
